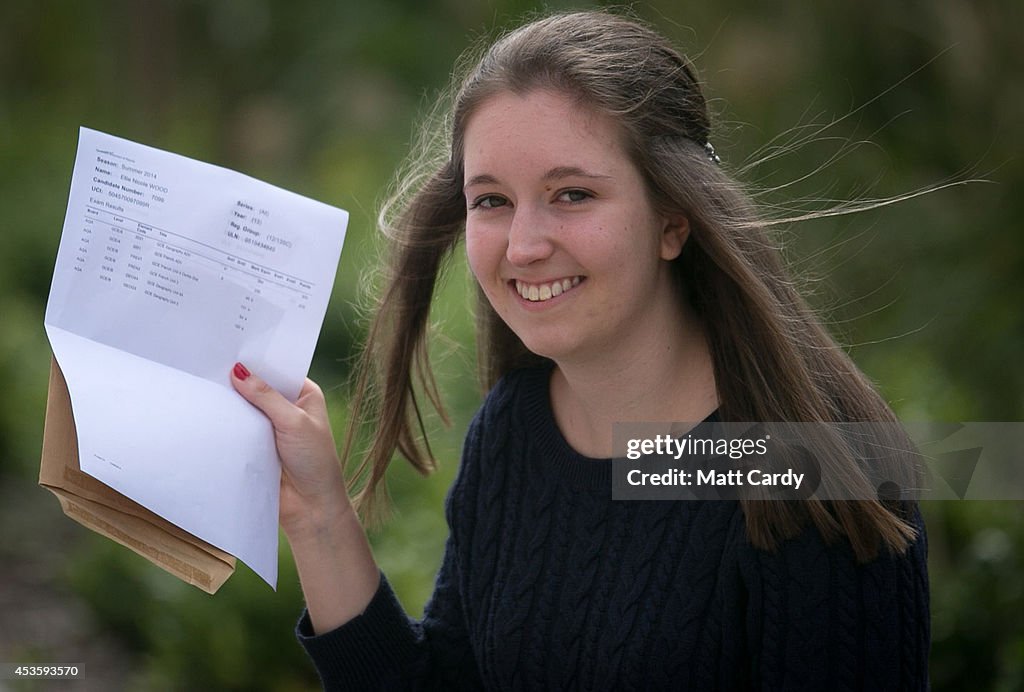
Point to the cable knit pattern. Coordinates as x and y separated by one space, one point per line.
546 583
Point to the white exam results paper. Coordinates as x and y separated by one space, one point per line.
169 271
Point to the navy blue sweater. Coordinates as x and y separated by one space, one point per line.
547 583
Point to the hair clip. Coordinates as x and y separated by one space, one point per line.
712 156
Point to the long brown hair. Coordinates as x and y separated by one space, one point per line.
773 359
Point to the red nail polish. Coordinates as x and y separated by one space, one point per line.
241 372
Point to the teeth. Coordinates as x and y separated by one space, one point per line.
541 292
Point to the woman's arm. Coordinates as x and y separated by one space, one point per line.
356 632
332 555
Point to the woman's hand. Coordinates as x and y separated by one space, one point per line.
332 555
312 483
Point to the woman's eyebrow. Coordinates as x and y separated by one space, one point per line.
560 172
482 179
556 173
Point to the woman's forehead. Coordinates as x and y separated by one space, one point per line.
541 127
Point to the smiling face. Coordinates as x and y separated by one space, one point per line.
560 231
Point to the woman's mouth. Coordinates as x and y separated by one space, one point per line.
538 293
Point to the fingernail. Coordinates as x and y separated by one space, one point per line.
241 372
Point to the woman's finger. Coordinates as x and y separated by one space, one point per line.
257 392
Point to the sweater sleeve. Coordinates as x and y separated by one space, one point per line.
819 620
383 648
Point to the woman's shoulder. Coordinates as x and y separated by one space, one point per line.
809 558
506 410
514 399
503 417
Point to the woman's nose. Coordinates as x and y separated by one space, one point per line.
529 239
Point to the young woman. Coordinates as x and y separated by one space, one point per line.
623 277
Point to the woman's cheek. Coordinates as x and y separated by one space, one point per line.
483 252
472 255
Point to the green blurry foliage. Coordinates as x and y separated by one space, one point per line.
323 98
184 639
976 557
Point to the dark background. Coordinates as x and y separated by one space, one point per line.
867 100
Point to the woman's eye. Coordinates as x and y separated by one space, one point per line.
574 196
488 202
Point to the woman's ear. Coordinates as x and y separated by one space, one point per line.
674 235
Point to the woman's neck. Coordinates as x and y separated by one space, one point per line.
667 376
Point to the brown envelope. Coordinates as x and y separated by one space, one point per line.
111 514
